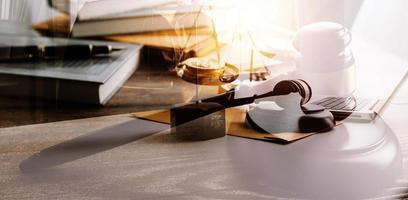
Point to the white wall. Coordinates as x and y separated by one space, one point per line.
380 22
384 23
25 11
340 11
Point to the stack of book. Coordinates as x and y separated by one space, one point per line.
175 27
92 80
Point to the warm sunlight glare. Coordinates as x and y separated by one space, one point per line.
257 24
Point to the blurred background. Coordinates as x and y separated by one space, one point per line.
361 16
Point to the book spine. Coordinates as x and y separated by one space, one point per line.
51 89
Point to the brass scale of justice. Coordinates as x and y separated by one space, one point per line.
209 71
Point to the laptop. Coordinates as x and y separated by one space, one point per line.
352 107
379 73
378 45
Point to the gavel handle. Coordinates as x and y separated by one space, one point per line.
282 88
228 100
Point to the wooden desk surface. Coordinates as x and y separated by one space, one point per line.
111 158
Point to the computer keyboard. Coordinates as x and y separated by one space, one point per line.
343 103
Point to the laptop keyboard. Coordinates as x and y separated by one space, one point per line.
343 103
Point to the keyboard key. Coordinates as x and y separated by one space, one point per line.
343 103
328 102
335 103
322 100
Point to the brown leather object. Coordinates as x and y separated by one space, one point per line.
284 114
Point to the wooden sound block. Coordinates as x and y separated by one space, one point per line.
198 121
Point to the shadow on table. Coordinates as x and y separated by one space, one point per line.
92 143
